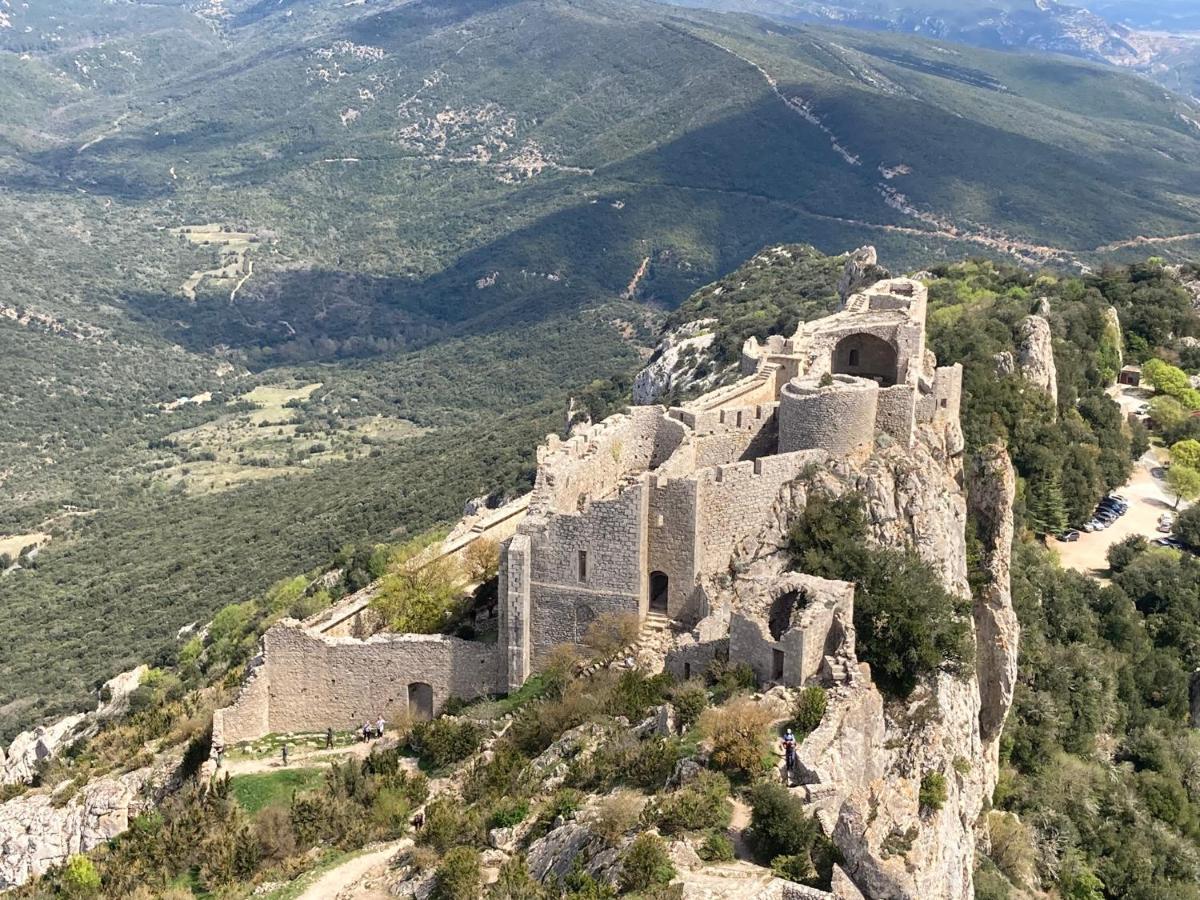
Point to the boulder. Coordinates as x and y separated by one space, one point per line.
675 361
862 270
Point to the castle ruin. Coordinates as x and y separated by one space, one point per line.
631 516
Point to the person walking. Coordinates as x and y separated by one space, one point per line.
789 755
329 738
379 727
283 750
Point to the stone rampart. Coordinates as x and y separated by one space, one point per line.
732 502
594 464
897 413
308 682
838 417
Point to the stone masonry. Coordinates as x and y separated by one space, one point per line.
631 516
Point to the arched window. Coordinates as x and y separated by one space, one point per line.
866 356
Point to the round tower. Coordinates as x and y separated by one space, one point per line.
838 417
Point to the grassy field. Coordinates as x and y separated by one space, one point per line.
12 544
258 791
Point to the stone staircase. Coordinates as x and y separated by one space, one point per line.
837 669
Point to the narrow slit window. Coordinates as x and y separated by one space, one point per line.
777 665
583 565
854 357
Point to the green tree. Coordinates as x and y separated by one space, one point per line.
514 882
1187 526
1184 483
1047 508
422 593
1186 453
1167 412
1167 379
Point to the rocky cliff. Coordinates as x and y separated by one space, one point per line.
42 829
1035 356
865 763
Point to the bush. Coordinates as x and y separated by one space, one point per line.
728 680
80 878
716 847
616 815
459 876
508 813
612 632
701 804
780 829
446 825
276 837
908 626
646 864
738 733
690 699
932 796
810 710
444 742
515 883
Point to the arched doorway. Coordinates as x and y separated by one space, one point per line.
866 356
658 592
420 700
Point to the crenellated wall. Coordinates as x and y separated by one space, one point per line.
308 682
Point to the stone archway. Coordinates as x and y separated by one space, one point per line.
866 356
659 592
420 701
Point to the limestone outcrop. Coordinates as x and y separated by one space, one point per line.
19 764
1035 356
864 765
38 831
676 362
862 270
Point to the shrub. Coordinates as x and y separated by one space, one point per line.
612 632
564 802
716 847
646 864
446 825
276 837
515 883
458 877
690 699
508 813
728 680
701 804
797 868
810 709
616 815
738 733
80 878
932 796
444 742
781 829
1012 848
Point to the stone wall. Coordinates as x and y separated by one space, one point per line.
839 417
897 413
734 500
671 541
821 628
308 682
731 434
594 464
563 599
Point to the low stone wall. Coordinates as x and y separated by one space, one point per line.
306 681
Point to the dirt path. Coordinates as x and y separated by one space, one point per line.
738 825
341 883
304 760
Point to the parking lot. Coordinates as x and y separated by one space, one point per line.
1148 499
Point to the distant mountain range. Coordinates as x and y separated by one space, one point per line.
1160 38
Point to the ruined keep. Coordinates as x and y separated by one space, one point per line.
632 515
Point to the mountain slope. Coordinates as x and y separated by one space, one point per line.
450 218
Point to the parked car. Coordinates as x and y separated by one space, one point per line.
1069 537
1173 543
1099 524
1107 516
1165 527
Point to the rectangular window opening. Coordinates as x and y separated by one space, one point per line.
583 565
